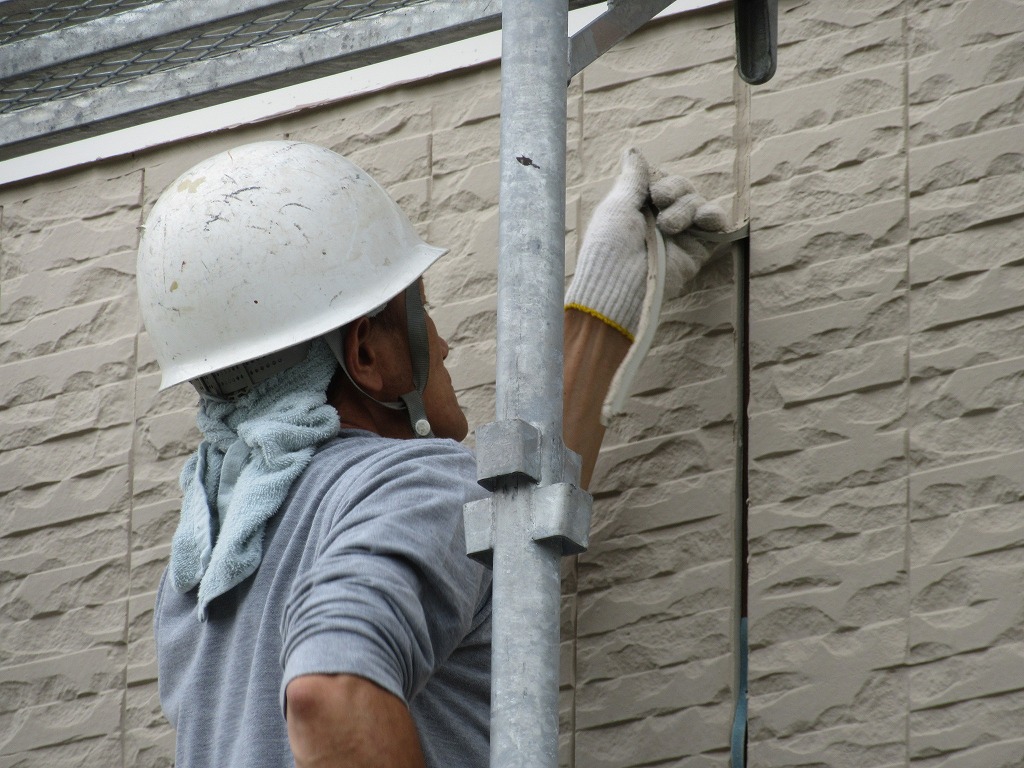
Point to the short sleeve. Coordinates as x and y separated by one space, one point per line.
390 592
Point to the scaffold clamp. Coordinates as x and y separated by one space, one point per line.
504 448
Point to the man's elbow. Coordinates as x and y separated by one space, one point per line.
306 696
345 715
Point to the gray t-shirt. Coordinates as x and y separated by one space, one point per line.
364 572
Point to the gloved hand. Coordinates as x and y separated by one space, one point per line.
612 265
680 207
610 278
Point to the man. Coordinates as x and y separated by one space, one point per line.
318 608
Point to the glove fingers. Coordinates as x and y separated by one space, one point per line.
634 178
711 218
684 257
699 250
667 189
678 215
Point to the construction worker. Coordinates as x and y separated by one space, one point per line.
318 608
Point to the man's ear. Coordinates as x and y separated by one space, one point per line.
363 358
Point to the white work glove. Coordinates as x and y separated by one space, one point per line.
680 207
612 265
611 271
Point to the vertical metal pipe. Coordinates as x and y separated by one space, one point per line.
526 589
741 272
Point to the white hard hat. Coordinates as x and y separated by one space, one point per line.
263 247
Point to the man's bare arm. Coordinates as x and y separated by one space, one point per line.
593 352
345 720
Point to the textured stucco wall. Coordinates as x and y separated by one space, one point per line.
883 170
886 535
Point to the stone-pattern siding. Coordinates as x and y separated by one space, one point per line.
883 171
886 536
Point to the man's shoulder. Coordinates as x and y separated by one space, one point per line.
357 446
366 483
359 461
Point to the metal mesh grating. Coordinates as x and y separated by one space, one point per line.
168 53
55 15
74 69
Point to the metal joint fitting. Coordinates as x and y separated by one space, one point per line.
510 447
478 517
572 466
561 512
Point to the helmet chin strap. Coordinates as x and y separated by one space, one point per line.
419 352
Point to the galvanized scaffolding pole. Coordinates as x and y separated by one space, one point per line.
531 269
536 513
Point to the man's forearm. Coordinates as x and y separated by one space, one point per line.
344 720
593 352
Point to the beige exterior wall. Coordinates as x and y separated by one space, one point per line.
883 170
887 540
